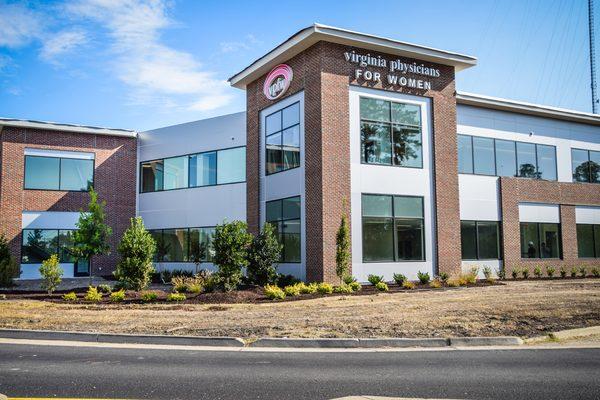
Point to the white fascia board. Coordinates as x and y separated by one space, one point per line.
497 103
53 126
315 33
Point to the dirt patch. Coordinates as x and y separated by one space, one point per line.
523 308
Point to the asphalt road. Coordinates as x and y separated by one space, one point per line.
48 371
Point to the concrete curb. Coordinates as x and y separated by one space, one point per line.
565 335
318 343
122 338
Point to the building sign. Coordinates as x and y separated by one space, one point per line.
396 71
278 81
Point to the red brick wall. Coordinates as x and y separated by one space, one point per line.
567 195
115 181
322 72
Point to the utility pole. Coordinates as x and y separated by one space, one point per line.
592 55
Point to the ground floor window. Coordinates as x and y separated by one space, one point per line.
480 240
393 228
588 240
540 240
183 244
284 215
39 244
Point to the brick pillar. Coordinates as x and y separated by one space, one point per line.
568 233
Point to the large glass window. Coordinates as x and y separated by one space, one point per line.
282 139
480 240
55 173
540 240
393 228
588 240
284 215
585 165
182 244
391 133
194 170
39 244
499 157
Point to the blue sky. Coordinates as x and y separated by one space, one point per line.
144 64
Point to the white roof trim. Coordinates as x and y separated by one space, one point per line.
497 103
317 32
54 126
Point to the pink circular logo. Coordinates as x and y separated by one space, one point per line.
278 81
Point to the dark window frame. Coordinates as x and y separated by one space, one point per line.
595 240
391 125
282 220
516 158
280 132
188 229
93 160
588 160
58 252
394 233
477 251
189 155
539 243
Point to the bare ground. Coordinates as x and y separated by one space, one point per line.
522 308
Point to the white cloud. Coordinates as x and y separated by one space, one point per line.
156 72
61 43
18 25
231 47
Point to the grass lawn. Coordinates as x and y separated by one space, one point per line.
522 308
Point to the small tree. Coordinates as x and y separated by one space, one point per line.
91 237
264 252
51 273
230 244
137 247
342 249
198 252
9 268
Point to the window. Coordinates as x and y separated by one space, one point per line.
282 139
588 241
39 244
182 244
480 240
585 165
55 173
194 170
540 240
393 228
284 215
390 133
498 157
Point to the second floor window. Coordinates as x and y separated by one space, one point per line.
585 165
282 139
58 173
390 133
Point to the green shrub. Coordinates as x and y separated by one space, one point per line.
408 285
195 284
179 284
93 295
444 276
515 272
573 272
9 269
307 289
435 284
374 279
137 248
475 271
550 270
176 297
274 292
324 288
148 297
596 272
104 288
51 274
399 279
424 277
563 272
230 243
382 286
469 278
342 248
582 271
487 272
348 279
263 253
525 272
117 296
355 286
211 283
343 288
501 272
453 281
537 271
292 290
70 296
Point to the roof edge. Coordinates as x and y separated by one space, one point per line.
55 126
521 107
